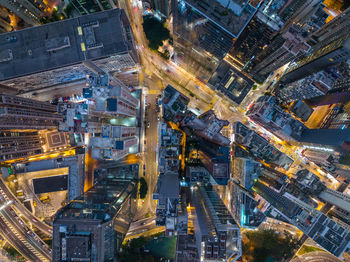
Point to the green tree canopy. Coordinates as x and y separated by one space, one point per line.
156 32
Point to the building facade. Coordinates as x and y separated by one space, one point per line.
23 113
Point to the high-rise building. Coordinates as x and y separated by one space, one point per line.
114 143
316 225
266 112
23 113
66 51
28 10
162 7
274 58
337 26
217 233
5 21
204 33
259 147
92 226
331 51
15 145
208 126
334 139
88 7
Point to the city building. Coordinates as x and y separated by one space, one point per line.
316 225
259 147
5 21
266 112
207 126
336 27
242 203
93 226
14 145
114 142
167 196
162 7
258 34
204 33
216 159
318 84
291 44
329 52
333 139
218 236
174 104
88 7
231 82
66 51
23 113
75 174
301 110
169 151
28 10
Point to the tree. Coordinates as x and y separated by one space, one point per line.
156 32
143 188
269 243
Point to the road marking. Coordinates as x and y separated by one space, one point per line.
140 78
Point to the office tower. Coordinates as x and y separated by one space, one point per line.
88 7
65 51
316 225
231 82
216 159
259 147
204 33
241 201
28 10
218 235
256 36
23 113
281 51
92 226
333 139
266 112
162 7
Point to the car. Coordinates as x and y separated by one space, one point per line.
144 167
34 220
158 118
143 223
148 124
144 141
192 95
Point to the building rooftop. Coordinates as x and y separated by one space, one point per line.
62 43
230 15
231 82
103 201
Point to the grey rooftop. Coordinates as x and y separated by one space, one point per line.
62 43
